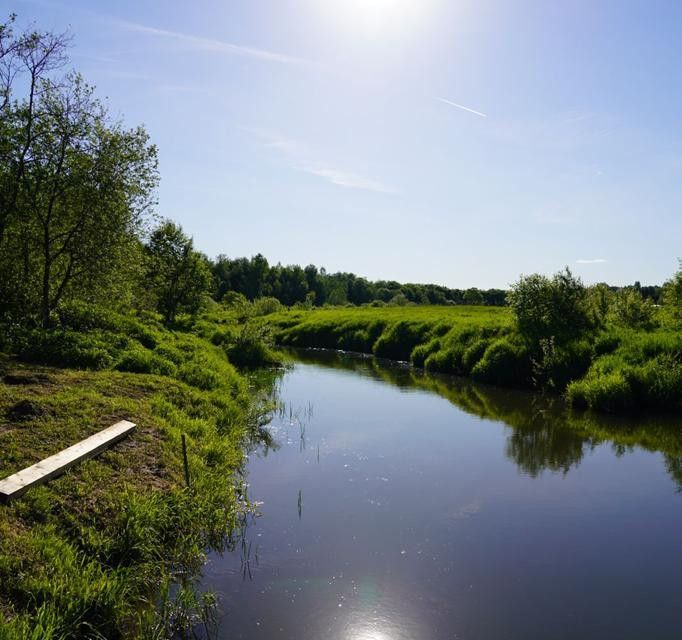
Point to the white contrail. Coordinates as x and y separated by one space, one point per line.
210 44
591 261
461 106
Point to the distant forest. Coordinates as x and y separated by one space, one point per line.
312 286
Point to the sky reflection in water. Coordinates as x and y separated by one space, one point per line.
398 506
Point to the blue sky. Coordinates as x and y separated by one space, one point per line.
462 142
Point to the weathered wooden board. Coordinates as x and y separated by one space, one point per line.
14 485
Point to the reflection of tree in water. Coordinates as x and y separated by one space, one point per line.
545 434
673 465
544 445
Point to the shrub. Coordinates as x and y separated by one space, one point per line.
265 306
138 360
399 339
169 352
545 307
94 350
421 352
252 347
557 365
448 360
81 316
630 309
473 353
503 363
658 382
610 392
606 343
672 298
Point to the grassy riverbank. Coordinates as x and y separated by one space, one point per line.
93 553
611 368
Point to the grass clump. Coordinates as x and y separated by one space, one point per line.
503 363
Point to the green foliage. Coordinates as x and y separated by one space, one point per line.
617 369
310 286
66 348
74 189
252 347
672 298
138 360
398 341
178 276
630 309
83 568
550 307
265 306
609 392
503 363
421 352
555 365
473 353
599 299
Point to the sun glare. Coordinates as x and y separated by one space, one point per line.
376 17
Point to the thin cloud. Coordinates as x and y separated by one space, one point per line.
348 180
301 158
200 43
461 106
591 261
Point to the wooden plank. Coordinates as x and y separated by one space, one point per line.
14 485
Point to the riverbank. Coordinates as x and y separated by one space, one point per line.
94 553
612 369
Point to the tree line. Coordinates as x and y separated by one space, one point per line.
292 284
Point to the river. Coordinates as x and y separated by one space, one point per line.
394 506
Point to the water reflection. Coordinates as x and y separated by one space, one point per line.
490 514
545 434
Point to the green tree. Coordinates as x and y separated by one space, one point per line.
629 308
672 297
27 60
179 276
78 205
599 300
549 307
473 296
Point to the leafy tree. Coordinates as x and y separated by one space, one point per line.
76 198
26 59
672 297
629 308
473 296
549 307
399 300
179 275
338 295
599 300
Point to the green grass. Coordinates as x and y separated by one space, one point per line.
88 554
389 332
612 370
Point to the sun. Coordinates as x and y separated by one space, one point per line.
375 17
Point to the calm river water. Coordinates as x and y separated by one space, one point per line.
400 506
